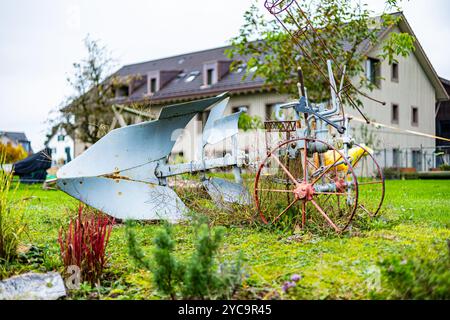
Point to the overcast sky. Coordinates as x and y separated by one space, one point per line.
39 41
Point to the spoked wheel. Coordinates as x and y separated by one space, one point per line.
296 184
371 187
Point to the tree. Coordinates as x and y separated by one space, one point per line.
86 114
346 28
12 153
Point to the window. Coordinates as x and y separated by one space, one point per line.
68 157
417 160
414 116
191 76
209 76
60 137
396 158
240 68
122 91
152 85
240 108
270 111
373 71
394 72
181 75
394 113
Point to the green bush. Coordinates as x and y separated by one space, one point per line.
247 122
445 167
410 175
200 276
391 173
418 278
12 224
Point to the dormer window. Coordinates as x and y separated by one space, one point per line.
122 91
209 76
152 85
209 73
158 79
214 71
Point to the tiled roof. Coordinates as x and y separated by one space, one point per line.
14 136
185 64
179 89
445 81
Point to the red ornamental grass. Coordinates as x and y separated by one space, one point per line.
84 243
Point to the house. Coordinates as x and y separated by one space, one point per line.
62 147
443 127
410 88
15 139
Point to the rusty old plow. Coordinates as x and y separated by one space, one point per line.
125 174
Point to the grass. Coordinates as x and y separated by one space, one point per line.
415 220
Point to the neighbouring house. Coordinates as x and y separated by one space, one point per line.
62 147
15 139
410 87
443 127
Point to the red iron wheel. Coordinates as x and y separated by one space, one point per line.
371 184
321 189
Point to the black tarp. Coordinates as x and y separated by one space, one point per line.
34 168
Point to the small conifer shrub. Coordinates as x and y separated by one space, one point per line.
198 277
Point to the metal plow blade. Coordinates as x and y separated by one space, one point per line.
124 199
224 192
136 145
219 128
118 173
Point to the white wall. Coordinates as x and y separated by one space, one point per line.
59 155
413 90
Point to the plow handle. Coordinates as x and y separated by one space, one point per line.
301 86
301 81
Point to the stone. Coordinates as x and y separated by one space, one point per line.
33 286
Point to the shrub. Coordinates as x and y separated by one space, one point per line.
12 224
391 173
11 153
410 175
418 277
84 243
200 276
247 122
445 167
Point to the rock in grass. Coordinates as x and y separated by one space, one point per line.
33 286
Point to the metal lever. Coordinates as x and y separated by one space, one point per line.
303 108
301 83
340 129
301 89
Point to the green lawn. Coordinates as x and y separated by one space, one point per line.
414 222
